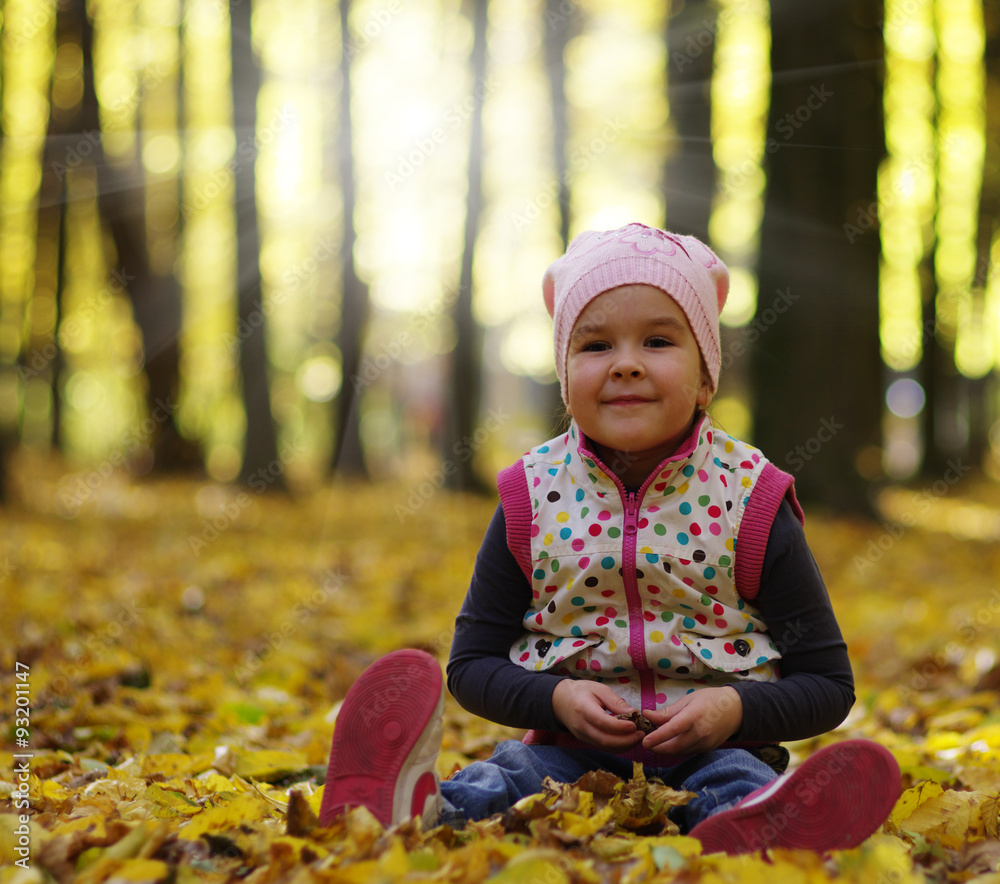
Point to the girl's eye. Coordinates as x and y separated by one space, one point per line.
658 342
595 346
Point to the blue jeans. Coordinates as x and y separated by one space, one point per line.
719 779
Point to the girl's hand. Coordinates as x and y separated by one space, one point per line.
583 706
698 722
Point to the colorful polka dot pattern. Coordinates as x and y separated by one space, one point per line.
694 627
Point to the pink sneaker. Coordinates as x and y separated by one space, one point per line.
834 800
386 740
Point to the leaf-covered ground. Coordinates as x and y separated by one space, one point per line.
183 648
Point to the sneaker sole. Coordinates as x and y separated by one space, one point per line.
800 810
386 740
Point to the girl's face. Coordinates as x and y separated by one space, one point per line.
635 378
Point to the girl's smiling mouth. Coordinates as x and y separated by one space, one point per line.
628 400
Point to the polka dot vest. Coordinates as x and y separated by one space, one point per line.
639 589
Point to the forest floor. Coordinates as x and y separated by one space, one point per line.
182 648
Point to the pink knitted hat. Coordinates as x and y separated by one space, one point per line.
597 261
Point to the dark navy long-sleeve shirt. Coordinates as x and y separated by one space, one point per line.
813 695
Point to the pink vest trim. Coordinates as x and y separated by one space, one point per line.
516 501
771 488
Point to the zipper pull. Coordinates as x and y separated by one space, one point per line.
631 512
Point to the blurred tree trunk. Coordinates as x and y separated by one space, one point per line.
156 300
460 437
558 29
44 356
816 366
983 411
52 221
348 454
260 451
689 169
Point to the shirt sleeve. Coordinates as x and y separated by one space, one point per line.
816 688
481 675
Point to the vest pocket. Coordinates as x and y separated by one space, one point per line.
750 654
541 651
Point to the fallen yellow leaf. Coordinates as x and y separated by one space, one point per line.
233 814
911 799
136 871
950 818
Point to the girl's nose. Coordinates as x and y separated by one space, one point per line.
627 365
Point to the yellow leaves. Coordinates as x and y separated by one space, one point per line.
242 810
597 804
268 764
139 871
786 867
883 859
128 859
546 865
911 799
173 736
946 817
170 803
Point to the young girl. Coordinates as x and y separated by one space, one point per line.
644 561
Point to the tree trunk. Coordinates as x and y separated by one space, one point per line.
558 30
689 170
348 454
466 368
816 366
983 411
557 33
260 453
156 301
45 358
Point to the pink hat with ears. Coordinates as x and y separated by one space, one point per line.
597 261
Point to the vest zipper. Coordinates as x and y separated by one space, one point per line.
632 500
630 580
